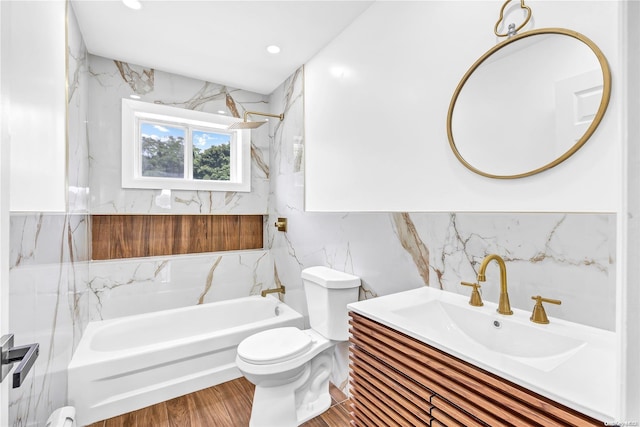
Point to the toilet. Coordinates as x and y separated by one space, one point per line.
290 367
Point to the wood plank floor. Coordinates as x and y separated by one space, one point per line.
225 405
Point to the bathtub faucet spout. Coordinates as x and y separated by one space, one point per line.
278 290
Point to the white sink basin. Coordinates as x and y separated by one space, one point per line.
528 342
567 362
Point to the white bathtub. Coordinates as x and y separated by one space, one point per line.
131 362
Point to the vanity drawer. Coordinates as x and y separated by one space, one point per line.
431 385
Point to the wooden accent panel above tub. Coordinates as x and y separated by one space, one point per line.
129 236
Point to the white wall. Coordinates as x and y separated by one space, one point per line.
38 106
379 93
4 205
628 321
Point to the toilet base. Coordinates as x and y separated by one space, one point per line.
291 404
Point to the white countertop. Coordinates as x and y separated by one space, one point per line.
583 379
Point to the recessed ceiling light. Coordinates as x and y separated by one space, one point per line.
132 4
273 49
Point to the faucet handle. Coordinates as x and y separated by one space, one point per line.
539 315
476 299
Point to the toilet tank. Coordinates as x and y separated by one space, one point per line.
328 292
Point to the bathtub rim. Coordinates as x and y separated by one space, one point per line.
84 356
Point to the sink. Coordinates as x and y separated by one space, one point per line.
527 343
567 362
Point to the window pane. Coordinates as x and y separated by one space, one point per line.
162 150
211 155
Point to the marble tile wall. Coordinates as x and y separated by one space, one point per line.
48 273
78 138
56 291
570 257
140 285
122 287
109 82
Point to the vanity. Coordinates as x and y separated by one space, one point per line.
426 357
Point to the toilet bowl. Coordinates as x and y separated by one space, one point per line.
291 367
280 372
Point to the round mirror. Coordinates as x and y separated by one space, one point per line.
529 103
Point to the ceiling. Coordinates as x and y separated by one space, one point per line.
218 41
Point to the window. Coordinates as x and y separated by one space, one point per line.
172 148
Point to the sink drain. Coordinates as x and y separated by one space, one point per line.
497 324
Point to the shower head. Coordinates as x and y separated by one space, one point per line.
246 125
252 125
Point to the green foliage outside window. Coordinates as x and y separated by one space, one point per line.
213 163
163 158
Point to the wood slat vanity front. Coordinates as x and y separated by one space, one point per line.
397 380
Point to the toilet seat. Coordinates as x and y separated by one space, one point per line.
274 346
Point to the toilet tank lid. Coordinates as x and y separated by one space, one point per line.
329 278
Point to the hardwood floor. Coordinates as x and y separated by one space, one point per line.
225 405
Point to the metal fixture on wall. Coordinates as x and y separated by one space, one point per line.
26 355
279 290
281 224
512 30
252 125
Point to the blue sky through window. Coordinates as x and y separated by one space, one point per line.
160 132
201 139
204 140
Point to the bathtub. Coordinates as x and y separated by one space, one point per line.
125 364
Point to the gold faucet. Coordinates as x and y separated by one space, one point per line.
476 299
539 315
279 290
503 304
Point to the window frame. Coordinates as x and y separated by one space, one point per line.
240 147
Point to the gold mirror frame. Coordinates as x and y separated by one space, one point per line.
606 94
